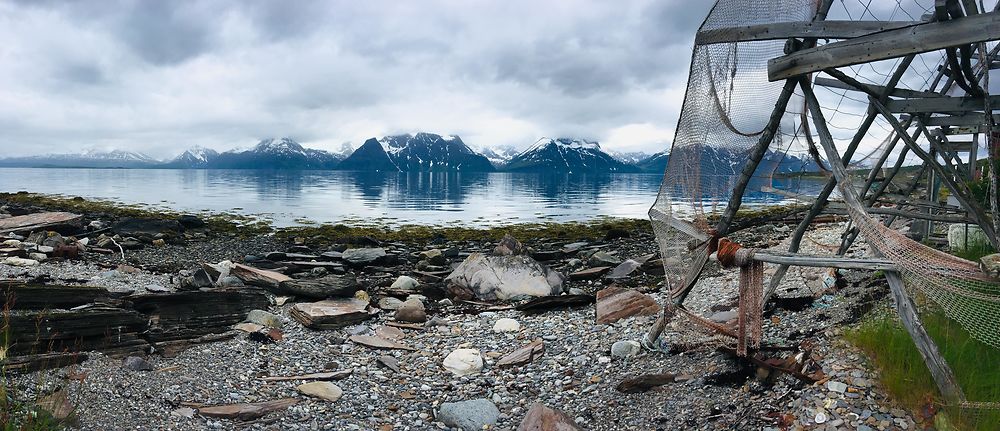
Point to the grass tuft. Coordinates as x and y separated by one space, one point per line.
905 376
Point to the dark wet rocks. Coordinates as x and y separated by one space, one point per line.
360 257
319 288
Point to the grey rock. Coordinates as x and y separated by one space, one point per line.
471 415
601 258
389 303
434 257
411 310
360 257
489 277
136 363
405 283
264 318
623 270
625 349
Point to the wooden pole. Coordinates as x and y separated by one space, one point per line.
942 373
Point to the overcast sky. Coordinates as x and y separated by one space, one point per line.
161 76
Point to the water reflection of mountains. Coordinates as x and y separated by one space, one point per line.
430 190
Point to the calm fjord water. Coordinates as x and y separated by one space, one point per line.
288 197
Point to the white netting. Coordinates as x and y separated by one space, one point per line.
726 108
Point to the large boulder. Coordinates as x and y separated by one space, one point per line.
360 257
492 277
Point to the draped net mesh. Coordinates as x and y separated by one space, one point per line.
727 104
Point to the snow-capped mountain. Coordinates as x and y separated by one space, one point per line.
630 157
499 155
283 153
420 152
87 159
195 157
723 161
566 155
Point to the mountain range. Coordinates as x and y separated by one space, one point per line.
420 152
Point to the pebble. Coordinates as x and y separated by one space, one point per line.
463 362
506 325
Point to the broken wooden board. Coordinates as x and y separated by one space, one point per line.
38 221
332 375
247 411
523 355
547 303
331 313
258 277
378 343
644 383
614 304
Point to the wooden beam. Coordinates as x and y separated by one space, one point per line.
798 29
970 119
915 39
821 261
896 92
938 367
940 104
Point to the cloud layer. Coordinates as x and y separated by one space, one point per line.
162 76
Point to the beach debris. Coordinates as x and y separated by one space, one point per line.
330 375
44 221
462 362
523 355
542 418
58 405
331 313
378 343
547 303
644 382
615 303
471 415
247 411
601 258
323 390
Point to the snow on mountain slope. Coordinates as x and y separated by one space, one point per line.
566 155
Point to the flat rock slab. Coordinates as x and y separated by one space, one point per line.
323 390
331 313
541 418
523 355
590 273
247 411
258 277
624 270
320 288
614 304
37 221
378 343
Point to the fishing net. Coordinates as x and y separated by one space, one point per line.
726 108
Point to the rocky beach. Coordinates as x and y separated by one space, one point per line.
147 320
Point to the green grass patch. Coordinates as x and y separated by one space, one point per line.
906 378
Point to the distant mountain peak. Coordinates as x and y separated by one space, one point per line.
417 152
566 155
278 145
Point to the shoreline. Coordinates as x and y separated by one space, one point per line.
578 372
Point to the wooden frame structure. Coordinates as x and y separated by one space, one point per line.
950 125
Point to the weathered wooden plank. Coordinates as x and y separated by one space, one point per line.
798 29
878 89
938 367
940 104
888 44
970 119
